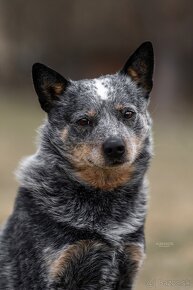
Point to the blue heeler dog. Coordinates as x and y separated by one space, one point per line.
78 219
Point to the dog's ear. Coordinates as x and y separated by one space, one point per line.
49 85
139 67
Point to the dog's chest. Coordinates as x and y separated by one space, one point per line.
112 230
116 232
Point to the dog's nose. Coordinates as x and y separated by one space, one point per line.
114 147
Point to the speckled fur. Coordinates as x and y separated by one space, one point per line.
68 231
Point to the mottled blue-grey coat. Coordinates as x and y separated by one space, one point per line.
78 219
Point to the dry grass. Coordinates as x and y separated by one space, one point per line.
170 218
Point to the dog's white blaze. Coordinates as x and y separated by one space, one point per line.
102 91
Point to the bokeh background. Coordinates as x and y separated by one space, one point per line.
83 39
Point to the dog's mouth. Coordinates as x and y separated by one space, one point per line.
112 164
116 162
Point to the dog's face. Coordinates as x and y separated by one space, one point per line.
100 124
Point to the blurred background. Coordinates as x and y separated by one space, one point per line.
84 39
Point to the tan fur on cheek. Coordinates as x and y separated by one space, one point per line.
85 155
80 155
133 147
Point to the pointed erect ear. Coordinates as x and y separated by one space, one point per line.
140 66
49 85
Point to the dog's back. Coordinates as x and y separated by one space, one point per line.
78 220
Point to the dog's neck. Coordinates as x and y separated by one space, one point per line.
57 192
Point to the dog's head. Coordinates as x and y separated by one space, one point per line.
99 124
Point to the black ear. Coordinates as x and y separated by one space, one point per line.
49 85
140 66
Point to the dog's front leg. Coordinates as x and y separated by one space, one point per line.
131 260
85 265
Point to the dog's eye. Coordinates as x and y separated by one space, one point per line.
128 114
84 122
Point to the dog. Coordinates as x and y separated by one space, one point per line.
78 219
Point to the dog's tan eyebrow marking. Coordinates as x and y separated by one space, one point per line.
91 113
119 107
